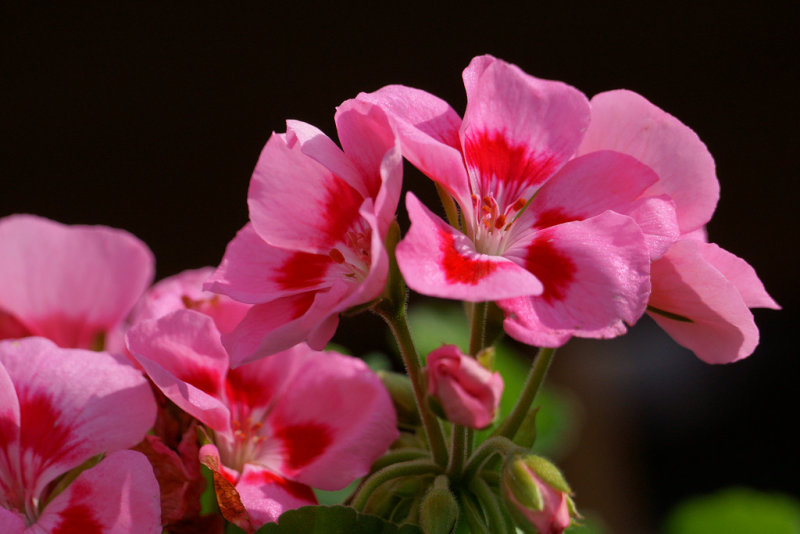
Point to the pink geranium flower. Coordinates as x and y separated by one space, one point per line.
71 284
280 425
58 409
469 393
314 244
554 239
701 293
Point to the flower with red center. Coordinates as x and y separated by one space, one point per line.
701 294
314 244
280 425
60 408
564 244
71 284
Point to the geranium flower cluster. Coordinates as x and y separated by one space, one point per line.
574 216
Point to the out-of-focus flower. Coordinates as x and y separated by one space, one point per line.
554 239
59 410
281 425
314 245
537 496
469 393
71 284
701 294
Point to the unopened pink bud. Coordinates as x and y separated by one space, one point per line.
537 495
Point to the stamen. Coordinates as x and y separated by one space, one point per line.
500 222
519 204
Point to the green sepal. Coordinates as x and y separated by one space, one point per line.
548 473
439 509
526 435
486 357
517 480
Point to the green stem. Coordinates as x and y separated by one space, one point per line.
493 445
508 428
491 505
396 456
403 469
449 206
477 337
396 319
473 515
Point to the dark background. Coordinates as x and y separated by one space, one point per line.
151 119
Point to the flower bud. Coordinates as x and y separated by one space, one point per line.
468 393
439 509
537 496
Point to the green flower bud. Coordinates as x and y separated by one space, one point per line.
439 509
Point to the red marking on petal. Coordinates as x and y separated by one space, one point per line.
493 158
40 429
295 489
303 443
302 270
457 268
553 217
302 304
555 270
11 327
245 392
205 379
340 210
78 519
336 256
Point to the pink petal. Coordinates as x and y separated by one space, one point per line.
253 271
333 420
72 404
297 203
438 260
625 121
595 276
119 495
266 495
427 128
518 130
740 274
685 283
12 522
70 283
9 434
183 355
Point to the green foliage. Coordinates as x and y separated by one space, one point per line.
333 520
736 511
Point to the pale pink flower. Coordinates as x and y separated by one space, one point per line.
297 419
701 294
71 284
314 244
468 392
58 409
554 239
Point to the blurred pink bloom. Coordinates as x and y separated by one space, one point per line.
562 243
58 409
701 293
300 418
314 244
469 393
71 284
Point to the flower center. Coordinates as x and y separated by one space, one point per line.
490 231
352 255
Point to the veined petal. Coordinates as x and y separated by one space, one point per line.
119 495
266 495
375 280
296 203
70 283
253 271
427 128
625 121
331 423
517 130
183 355
720 327
438 260
595 277
740 274
72 404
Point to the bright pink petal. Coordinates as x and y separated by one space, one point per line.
595 277
12 522
119 495
657 218
740 274
517 130
438 260
721 328
427 128
72 405
627 122
266 495
333 420
70 283
253 271
297 203
183 355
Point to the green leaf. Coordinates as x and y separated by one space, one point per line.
333 520
736 511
